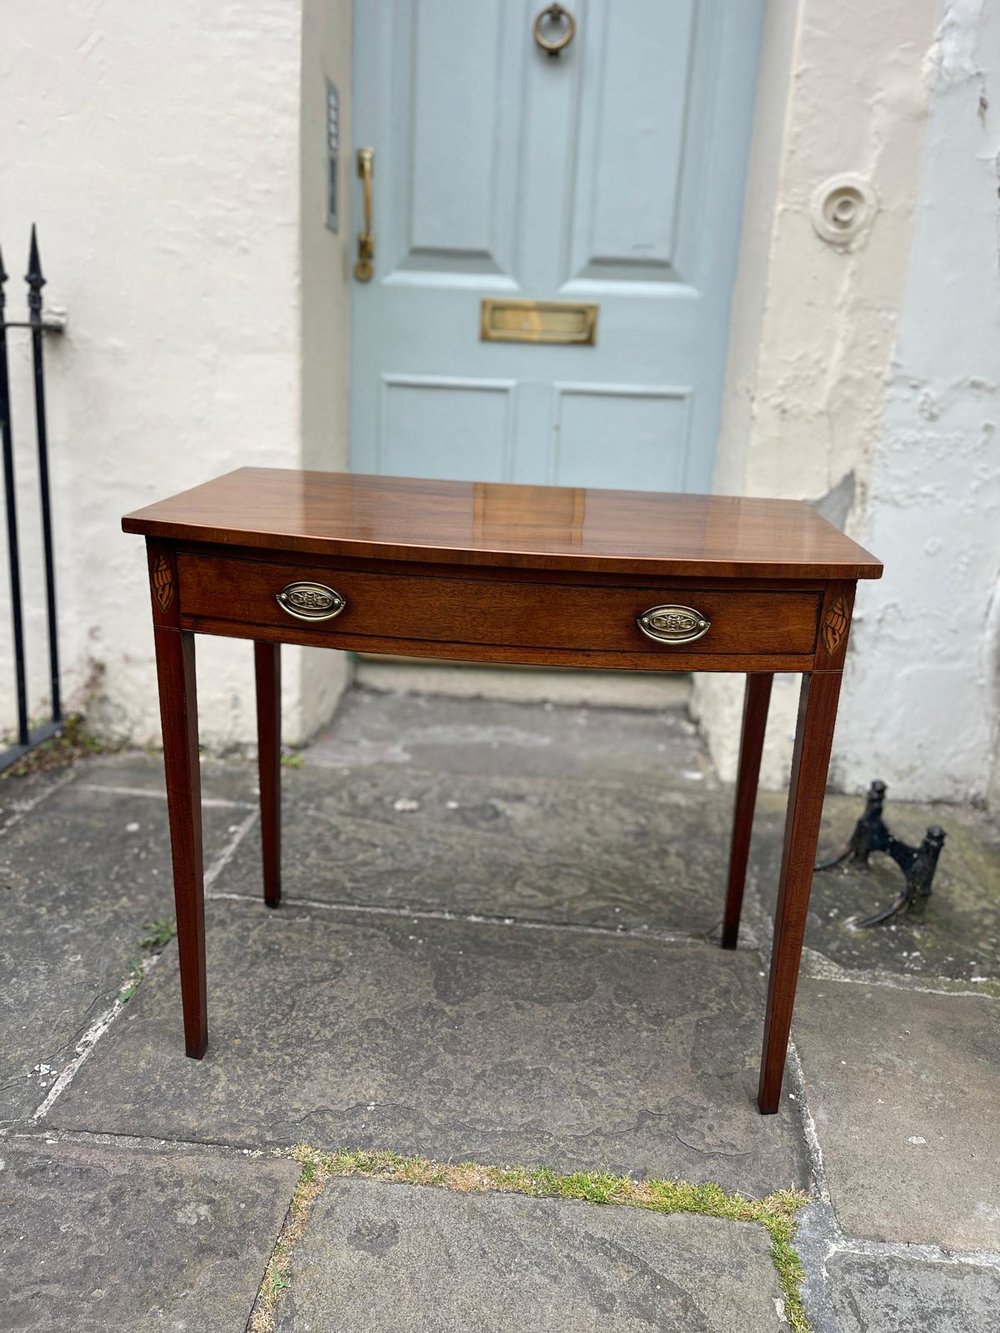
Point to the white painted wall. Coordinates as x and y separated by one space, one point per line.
864 375
922 703
161 150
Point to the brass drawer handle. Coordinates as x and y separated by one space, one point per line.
673 624
310 601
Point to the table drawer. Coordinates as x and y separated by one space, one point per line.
449 608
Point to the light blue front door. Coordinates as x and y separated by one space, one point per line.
611 174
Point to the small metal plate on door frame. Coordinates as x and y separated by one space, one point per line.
537 322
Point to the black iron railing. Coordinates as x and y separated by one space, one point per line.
27 736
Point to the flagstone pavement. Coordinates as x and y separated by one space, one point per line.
498 944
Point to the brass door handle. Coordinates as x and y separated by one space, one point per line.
364 268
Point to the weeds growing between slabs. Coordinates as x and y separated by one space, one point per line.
776 1212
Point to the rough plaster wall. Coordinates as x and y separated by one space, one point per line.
922 704
814 326
157 146
326 277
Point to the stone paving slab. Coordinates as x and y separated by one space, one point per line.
893 1295
620 855
904 1088
93 1239
401 1257
492 738
562 1048
959 937
81 877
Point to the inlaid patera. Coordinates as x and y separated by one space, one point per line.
162 580
835 625
673 624
310 601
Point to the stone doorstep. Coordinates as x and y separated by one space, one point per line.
523 685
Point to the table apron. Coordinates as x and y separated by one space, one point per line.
430 614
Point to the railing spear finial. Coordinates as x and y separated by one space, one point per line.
35 280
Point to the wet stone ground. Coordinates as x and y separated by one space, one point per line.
498 944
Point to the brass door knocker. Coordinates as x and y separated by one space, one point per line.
563 21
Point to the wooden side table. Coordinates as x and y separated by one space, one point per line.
538 575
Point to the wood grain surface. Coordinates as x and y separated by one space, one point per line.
500 525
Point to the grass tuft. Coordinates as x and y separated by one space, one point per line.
160 933
158 936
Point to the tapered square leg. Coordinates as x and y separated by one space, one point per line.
179 717
813 742
755 705
267 664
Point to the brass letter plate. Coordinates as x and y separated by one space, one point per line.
537 322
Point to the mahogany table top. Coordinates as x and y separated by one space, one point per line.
500 525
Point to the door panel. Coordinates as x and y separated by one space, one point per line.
612 174
462 155
648 426
629 148
460 428
447 178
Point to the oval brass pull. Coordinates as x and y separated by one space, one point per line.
554 14
673 624
310 601
364 268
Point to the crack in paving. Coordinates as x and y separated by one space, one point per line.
229 851
207 802
53 1135
93 1034
22 808
475 919
89 1040
68 1045
820 968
